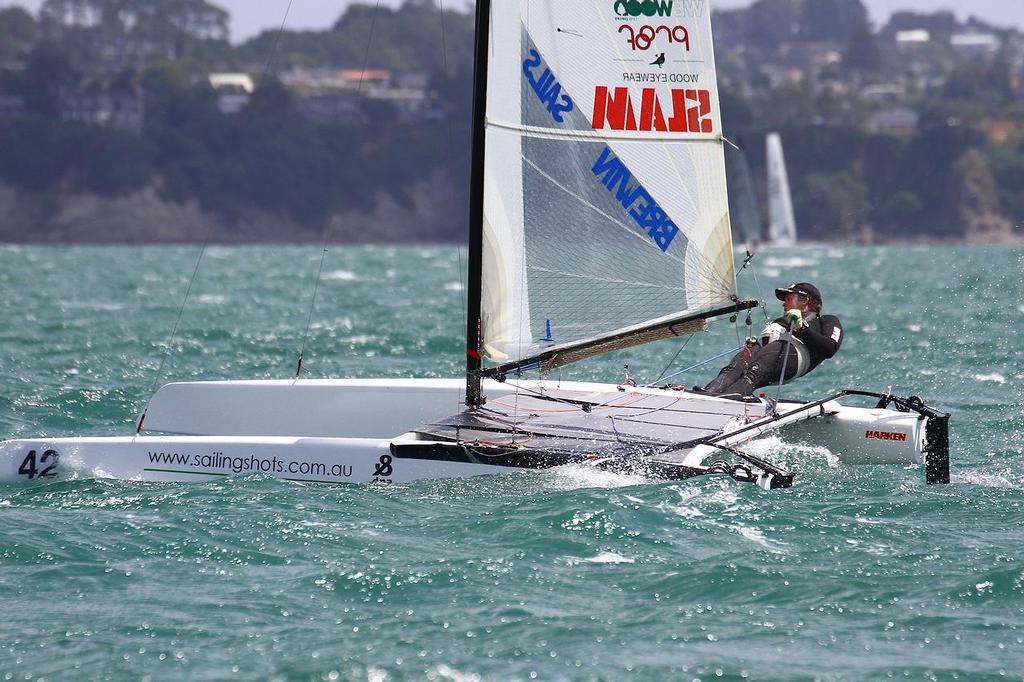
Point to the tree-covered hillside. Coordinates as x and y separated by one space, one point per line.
914 130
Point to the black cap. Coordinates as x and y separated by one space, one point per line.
805 288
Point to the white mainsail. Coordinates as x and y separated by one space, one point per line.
781 222
605 203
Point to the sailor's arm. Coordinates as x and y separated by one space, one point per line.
825 343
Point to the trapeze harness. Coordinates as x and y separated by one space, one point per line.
817 341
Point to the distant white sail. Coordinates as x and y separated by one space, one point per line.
742 199
605 203
781 222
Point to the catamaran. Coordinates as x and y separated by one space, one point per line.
599 222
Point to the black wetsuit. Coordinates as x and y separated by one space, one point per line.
761 365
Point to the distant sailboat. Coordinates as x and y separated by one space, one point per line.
742 199
781 222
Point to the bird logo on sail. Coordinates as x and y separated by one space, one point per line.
659 61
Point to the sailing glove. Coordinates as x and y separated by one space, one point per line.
796 319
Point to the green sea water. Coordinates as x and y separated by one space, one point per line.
859 573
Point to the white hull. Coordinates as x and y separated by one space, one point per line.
351 431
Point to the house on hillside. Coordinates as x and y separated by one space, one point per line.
234 90
104 105
910 39
336 95
336 107
975 44
1002 130
12 102
893 121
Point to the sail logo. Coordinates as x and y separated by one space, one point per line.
690 9
615 109
643 8
644 37
637 201
547 87
886 435
643 77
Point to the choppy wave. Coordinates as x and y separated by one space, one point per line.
574 573
340 276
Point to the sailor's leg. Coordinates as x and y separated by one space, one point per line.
767 366
761 370
730 373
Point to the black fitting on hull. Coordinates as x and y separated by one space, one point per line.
937 449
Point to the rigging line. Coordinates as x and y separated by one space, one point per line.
633 404
671 362
757 287
174 334
327 226
369 42
640 397
578 406
312 303
700 364
785 361
654 410
277 41
206 243
444 67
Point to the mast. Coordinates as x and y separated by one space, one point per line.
474 396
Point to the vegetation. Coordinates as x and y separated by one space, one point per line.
947 177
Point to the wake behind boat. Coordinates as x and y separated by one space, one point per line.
598 222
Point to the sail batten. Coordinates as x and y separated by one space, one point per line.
586 135
604 198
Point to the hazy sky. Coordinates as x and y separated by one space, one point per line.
249 18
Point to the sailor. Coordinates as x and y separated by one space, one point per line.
796 343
